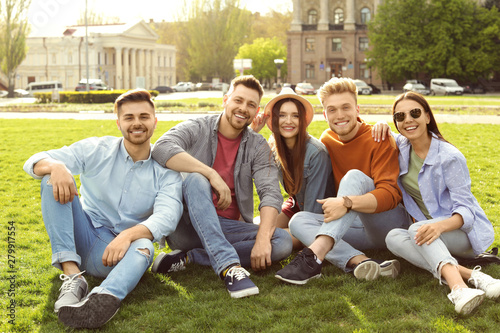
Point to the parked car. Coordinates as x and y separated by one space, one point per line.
445 87
184 86
3 93
203 86
416 87
363 87
375 90
94 85
218 85
474 88
305 89
163 89
21 93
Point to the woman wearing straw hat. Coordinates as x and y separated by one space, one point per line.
303 161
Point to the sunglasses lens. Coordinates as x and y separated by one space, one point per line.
399 116
416 113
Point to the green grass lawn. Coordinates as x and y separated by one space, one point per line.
195 300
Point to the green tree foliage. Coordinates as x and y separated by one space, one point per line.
439 38
13 31
263 51
273 24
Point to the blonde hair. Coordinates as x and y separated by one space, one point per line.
337 86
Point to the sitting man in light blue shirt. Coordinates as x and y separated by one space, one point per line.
128 201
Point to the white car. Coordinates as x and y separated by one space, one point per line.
184 86
363 87
445 87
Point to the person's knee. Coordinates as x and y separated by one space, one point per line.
144 246
282 245
395 238
412 230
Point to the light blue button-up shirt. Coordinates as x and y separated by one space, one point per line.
445 185
116 192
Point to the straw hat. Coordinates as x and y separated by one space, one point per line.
288 93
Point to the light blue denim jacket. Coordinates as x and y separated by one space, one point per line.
116 192
317 179
445 186
254 161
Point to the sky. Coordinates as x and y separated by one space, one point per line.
44 15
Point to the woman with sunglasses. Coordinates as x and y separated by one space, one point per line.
303 161
436 190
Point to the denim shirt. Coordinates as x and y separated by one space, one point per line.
116 192
317 177
445 186
254 161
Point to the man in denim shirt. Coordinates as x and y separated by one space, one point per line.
219 152
128 201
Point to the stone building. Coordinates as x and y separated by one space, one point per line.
329 38
124 56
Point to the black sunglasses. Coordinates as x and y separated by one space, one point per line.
400 116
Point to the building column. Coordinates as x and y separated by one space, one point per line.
154 76
126 69
350 20
118 68
296 24
133 68
323 23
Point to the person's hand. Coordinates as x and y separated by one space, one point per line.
221 190
63 184
380 131
260 256
258 122
333 208
115 251
427 233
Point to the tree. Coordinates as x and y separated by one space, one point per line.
13 32
450 38
273 24
214 32
96 18
263 51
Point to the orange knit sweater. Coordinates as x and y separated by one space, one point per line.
377 160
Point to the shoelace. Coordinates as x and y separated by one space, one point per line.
238 273
178 266
481 281
301 256
68 281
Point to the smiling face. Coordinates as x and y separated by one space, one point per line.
342 114
289 121
240 108
411 128
137 122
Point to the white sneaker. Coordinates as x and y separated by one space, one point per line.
485 282
466 299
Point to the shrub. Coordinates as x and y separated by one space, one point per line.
102 96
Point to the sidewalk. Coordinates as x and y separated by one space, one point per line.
162 116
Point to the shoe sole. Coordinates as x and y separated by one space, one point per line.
391 270
96 311
157 262
470 305
244 293
369 270
297 282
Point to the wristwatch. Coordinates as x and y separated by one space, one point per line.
347 203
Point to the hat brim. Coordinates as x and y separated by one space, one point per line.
268 109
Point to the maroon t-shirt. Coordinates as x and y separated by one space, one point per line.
227 149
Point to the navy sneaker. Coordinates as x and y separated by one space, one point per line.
301 269
371 269
93 312
238 283
169 262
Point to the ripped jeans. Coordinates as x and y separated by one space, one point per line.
73 237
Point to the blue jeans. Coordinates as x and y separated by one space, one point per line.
347 232
215 241
429 257
74 238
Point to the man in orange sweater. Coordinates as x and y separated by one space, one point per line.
368 199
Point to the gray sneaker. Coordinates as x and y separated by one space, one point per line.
371 269
73 290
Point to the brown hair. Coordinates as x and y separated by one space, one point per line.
432 125
291 160
248 81
136 95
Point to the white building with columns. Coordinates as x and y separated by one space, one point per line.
124 56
